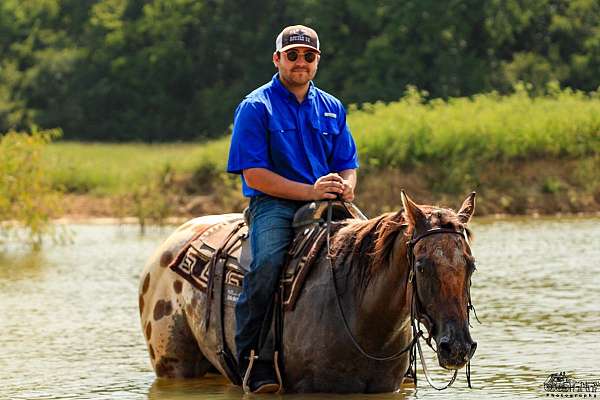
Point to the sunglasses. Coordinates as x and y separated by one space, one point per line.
309 56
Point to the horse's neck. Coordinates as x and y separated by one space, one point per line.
381 307
386 296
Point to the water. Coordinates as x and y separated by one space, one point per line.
69 325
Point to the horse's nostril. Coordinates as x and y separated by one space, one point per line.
445 345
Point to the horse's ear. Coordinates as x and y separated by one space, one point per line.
467 209
414 215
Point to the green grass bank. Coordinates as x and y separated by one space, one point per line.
521 154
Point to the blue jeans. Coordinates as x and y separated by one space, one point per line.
271 233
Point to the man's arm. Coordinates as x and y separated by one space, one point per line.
273 184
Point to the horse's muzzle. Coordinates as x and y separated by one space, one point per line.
454 353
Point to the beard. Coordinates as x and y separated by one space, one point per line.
298 76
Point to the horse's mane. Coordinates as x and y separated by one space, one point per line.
366 246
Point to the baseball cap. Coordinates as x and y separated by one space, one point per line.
297 36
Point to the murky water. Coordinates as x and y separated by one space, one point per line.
69 324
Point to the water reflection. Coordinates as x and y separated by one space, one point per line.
210 387
70 325
216 387
21 264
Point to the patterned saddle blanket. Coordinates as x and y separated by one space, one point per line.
231 239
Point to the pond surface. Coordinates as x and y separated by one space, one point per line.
69 325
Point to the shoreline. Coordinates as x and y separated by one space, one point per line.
534 188
87 209
175 221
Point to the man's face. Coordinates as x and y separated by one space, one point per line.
298 72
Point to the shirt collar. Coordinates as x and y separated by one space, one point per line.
312 91
286 94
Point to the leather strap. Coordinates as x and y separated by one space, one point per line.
215 292
226 358
221 250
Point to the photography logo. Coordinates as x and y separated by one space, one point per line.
562 385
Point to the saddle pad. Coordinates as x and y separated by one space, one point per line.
192 262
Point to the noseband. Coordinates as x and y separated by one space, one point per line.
415 314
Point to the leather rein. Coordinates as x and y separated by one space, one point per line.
415 316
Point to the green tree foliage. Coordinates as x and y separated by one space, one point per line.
27 197
161 70
39 58
173 69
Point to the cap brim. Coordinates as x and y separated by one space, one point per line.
293 46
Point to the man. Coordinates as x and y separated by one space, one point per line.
291 145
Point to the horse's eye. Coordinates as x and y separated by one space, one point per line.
420 264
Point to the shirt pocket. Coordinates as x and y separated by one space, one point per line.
328 126
283 142
281 127
326 129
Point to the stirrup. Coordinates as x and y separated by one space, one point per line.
247 374
267 388
277 372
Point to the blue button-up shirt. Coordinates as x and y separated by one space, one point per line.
299 141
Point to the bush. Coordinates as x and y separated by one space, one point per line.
27 198
152 201
472 130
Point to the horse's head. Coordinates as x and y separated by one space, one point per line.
442 267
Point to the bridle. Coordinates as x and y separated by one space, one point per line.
416 314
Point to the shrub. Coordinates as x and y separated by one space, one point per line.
483 128
27 198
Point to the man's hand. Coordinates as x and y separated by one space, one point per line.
348 193
329 187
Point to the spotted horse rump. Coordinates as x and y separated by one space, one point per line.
169 305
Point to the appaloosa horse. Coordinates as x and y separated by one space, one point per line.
415 263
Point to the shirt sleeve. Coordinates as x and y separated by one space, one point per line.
345 155
249 144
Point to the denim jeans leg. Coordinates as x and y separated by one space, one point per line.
271 233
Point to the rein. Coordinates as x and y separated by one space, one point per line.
414 344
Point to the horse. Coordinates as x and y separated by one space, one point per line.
369 287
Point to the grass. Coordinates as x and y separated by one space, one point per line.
112 169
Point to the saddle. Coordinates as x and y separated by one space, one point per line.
216 259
